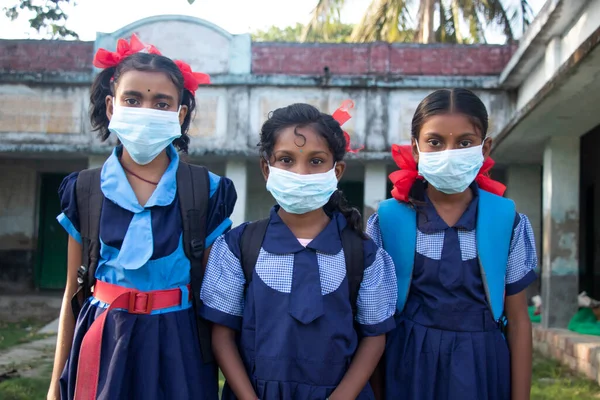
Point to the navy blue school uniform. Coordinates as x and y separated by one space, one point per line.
154 356
296 329
446 344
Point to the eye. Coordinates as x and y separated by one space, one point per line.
434 143
285 160
132 102
465 143
316 161
163 106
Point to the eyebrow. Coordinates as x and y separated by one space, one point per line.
293 152
158 96
435 134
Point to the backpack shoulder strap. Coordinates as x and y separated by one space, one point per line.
250 245
495 224
398 224
89 206
193 190
352 243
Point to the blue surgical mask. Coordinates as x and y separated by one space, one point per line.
451 171
144 132
300 194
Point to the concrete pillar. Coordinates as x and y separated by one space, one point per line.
560 270
96 161
237 171
375 187
524 186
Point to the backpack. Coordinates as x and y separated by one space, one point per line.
193 188
352 243
495 220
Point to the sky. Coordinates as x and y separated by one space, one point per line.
235 16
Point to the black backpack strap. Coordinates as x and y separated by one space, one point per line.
89 206
352 243
250 245
193 190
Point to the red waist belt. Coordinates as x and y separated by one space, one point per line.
135 302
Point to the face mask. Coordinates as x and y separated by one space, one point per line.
300 194
144 132
451 171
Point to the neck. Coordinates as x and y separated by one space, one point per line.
153 171
305 226
438 197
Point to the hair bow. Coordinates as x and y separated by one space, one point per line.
405 177
341 115
109 59
191 79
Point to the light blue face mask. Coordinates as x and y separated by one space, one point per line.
300 194
144 132
451 171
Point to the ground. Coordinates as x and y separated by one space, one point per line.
26 362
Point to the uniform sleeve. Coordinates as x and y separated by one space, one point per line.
223 287
373 230
222 200
376 303
522 258
69 217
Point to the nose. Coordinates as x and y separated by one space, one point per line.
300 169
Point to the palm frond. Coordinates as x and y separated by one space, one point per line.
324 14
385 20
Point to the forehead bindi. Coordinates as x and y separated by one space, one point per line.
147 82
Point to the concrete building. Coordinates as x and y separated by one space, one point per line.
542 96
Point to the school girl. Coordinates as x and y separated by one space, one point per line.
146 345
301 301
463 258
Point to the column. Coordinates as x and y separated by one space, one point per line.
375 187
237 171
524 186
560 269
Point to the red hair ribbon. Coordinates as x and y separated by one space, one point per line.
108 59
404 178
341 115
191 79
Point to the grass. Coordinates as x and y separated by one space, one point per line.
15 333
553 381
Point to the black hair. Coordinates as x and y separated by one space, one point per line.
446 101
104 85
304 115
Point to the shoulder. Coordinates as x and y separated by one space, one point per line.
219 184
68 184
370 249
232 239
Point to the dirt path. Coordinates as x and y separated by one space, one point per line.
29 359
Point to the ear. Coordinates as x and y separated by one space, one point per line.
264 168
182 114
109 106
340 168
487 147
415 149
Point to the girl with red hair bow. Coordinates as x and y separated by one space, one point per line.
131 331
463 259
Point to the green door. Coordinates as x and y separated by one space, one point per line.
52 239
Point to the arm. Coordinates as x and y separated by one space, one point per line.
377 380
228 357
365 360
66 324
519 343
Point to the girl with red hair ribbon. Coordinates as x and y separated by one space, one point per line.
131 331
463 258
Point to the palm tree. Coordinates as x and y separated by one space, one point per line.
390 20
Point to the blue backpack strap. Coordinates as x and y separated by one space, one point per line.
398 224
495 222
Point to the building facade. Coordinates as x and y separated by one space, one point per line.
542 97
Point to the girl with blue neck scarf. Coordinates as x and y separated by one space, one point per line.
300 301
147 348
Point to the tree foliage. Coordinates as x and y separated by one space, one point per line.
336 33
48 15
